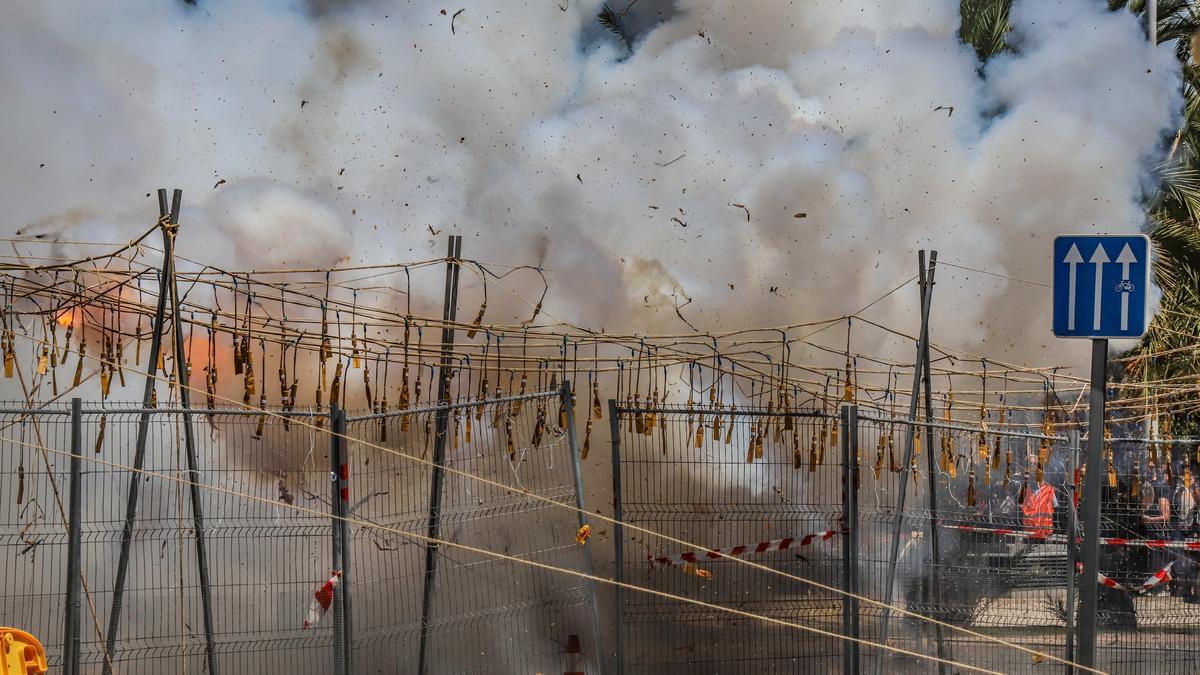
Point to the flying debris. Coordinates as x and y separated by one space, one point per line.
219 183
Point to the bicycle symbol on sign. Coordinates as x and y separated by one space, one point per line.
1125 286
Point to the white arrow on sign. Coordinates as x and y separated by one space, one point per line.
1125 259
1098 259
1073 258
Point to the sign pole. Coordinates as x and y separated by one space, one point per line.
1090 507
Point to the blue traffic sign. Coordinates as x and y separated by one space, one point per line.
1101 284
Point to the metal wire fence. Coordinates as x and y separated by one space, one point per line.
1001 514
268 499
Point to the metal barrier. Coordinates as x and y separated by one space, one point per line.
267 558
1003 569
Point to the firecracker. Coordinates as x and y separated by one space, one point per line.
893 465
383 408
539 425
509 444
1112 470
71 329
750 448
587 440
797 458
1007 466
477 322
78 364
729 427
812 453
785 404
662 435
483 389
584 533
100 434
405 424
879 448
262 419
848 393
21 482
597 411
355 361
689 568
10 358
971 487
43 364
1136 488
118 361
335 388
699 438
467 427
516 404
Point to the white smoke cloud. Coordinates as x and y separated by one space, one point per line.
851 133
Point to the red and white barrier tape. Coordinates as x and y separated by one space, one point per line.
322 599
761 547
1189 544
1155 579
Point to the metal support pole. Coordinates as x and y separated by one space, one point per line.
189 439
1072 550
442 424
339 608
338 424
1090 548
70 659
139 454
614 426
577 476
935 550
850 612
922 347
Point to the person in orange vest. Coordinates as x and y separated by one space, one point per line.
1038 510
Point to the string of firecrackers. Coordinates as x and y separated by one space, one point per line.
687 560
1155 579
1188 544
322 599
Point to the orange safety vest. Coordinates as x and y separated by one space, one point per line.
1039 511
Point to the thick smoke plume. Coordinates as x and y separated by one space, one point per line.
720 150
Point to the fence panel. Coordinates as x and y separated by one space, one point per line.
267 504
690 476
487 615
33 516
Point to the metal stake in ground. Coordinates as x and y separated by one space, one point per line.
189 439
139 454
935 550
442 423
922 347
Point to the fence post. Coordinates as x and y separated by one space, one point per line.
614 425
850 613
74 535
343 459
339 625
577 476
1072 550
442 426
926 275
